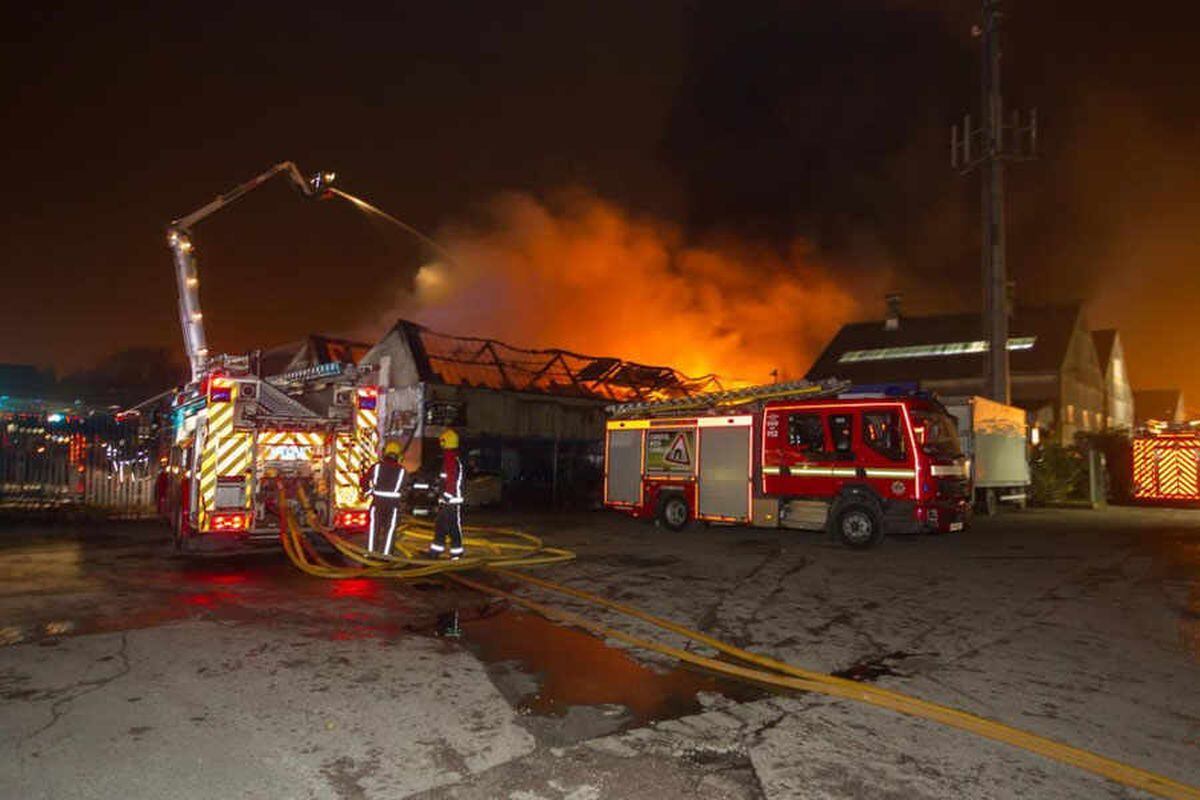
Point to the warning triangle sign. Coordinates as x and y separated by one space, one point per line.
678 453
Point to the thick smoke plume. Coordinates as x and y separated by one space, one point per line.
579 273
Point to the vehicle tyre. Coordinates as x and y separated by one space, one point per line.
858 526
673 511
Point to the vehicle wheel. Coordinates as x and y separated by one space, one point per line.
673 511
858 526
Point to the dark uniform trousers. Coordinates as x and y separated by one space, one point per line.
386 479
448 523
449 516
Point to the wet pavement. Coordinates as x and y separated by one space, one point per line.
1082 626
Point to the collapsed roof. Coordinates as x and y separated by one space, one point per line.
492 364
310 351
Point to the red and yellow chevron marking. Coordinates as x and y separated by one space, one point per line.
226 452
353 454
295 438
1167 467
1144 484
366 424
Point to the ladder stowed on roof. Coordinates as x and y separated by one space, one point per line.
731 397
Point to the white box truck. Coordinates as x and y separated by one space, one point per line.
995 437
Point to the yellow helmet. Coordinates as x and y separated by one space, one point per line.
448 440
391 450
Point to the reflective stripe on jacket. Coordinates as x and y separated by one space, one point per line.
384 479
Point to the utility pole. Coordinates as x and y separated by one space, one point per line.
988 147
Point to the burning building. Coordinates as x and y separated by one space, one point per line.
531 420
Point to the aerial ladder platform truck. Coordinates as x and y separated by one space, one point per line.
231 434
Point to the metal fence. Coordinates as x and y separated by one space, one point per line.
71 463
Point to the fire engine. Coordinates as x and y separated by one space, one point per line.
232 434
1166 463
800 455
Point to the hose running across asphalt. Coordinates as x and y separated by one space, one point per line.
501 548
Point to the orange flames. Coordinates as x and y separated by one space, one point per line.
581 274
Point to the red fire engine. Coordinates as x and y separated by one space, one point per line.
231 433
1166 464
800 455
232 436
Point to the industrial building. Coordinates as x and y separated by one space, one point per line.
1057 375
533 420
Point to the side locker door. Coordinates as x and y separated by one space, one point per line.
723 472
623 467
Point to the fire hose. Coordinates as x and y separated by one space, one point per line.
502 548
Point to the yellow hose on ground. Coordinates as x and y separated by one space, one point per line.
527 550
873 695
500 547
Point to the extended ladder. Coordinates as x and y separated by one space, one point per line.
730 397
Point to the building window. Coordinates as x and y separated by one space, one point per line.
805 433
931 350
1070 414
1087 423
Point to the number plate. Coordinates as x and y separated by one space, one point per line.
956 526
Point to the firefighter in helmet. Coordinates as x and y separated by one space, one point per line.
383 482
450 501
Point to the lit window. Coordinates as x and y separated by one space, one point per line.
931 350
1070 413
1086 420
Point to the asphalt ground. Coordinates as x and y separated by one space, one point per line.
127 671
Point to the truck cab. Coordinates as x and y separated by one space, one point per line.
864 467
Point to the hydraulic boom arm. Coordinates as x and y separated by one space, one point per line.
180 241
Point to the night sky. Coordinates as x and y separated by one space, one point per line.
760 122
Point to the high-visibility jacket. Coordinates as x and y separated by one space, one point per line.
452 477
383 480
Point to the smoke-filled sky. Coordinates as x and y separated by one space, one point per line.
746 175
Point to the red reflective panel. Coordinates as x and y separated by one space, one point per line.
230 521
353 520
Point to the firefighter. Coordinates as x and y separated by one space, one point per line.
450 501
382 482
